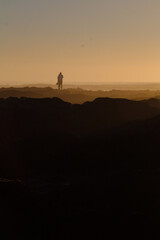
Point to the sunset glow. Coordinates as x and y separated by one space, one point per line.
88 40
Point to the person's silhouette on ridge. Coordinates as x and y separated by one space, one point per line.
60 81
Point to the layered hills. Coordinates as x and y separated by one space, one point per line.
76 95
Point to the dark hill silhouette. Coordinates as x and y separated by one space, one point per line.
88 171
26 117
32 122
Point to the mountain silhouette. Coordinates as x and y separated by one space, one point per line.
86 170
26 117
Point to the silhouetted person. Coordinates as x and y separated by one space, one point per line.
60 81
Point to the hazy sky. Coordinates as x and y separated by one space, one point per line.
88 40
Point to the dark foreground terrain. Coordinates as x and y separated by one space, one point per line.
89 171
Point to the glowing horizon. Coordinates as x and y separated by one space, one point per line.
89 41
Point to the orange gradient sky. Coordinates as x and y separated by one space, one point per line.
88 40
